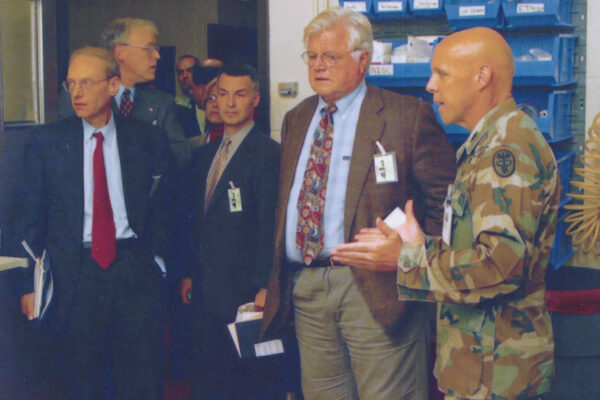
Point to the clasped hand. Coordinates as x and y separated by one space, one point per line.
378 248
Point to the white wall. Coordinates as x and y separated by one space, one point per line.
592 81
287 19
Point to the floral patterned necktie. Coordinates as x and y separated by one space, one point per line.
311 201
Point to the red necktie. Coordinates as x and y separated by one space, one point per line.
104 243
311 200
126 104
215 131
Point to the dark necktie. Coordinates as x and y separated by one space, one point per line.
104 244
126 104
311 200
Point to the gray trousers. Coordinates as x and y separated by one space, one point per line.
344 351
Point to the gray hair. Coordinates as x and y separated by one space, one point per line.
111 68
358 27
117 32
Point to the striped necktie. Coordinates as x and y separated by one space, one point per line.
216 170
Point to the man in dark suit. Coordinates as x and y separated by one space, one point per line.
193 121
233 183
96 186
349 155
132 42
183 69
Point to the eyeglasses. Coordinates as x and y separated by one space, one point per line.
329 58
211 97
85 84
148 49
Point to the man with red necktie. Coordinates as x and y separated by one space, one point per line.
96 194
133 44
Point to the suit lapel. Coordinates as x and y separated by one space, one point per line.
116 109
143 109
128 155
239 160
201 170
73 154
369 129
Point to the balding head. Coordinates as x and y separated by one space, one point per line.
212 62
472 73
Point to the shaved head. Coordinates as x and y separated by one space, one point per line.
483 46
472 72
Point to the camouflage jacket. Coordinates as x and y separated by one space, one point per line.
494 336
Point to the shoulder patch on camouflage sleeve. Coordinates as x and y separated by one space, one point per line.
504 163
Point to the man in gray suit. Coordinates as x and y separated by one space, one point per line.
133 44
350 155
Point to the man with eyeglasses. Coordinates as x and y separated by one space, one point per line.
193 121
133 43
350 154
184 70
96 190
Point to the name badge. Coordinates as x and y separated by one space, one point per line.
447 226
235 198
385 166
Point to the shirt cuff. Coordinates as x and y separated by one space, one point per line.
411 256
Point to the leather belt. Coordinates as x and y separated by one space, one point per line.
122 244
322 262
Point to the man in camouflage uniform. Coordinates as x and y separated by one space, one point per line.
494 336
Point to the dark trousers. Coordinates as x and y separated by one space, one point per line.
219 373
114 320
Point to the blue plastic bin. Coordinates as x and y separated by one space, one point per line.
413 75
555 71
468 13
553 110
565 163
390 9
361 6
426 8
525 13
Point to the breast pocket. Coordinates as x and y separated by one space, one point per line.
462 227
459 365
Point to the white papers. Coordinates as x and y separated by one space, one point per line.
7 263
43 285
247 312
268 348
245 331
395 219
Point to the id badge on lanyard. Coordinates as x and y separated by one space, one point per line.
447 227
235 198
386 170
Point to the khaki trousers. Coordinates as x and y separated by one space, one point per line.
344 351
